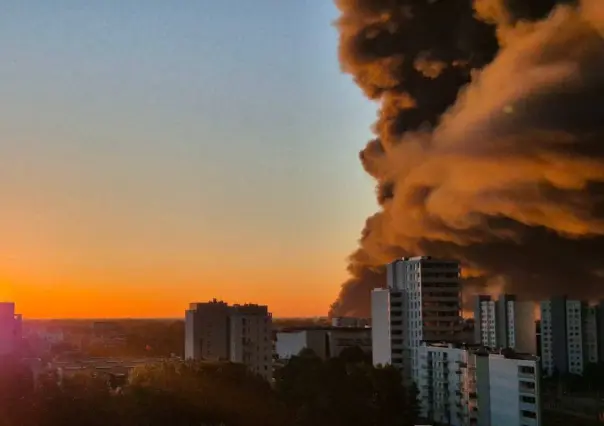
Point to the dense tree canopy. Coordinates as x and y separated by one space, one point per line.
346 390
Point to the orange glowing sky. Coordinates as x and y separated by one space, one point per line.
154 157
137 270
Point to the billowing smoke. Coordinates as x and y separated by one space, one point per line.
489 142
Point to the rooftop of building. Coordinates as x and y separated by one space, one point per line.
214 302
249 306
7 308
483 351
249 310
503 297
426 258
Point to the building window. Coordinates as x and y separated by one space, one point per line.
527 385
529 414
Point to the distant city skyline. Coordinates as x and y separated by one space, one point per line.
153 156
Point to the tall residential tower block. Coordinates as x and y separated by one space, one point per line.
422 303
238 333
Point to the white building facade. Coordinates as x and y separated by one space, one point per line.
10 329
462 386
290 343
505 323
447 386
485 321
514 392
240 333
325 342
421 303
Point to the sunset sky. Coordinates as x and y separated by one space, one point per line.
154 153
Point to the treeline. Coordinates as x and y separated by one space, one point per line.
307 392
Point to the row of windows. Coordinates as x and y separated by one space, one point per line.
440 274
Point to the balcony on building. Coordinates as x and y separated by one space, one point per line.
526 372
528 417
526 387
528 403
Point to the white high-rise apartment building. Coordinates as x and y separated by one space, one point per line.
10 329
421 303
239 333
464 386
447 386
505 323
485 321
569 335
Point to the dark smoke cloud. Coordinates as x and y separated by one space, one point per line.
489 143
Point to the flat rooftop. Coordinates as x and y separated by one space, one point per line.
483 351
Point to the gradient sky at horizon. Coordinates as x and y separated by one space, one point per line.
154 156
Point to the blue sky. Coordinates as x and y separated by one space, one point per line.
178 137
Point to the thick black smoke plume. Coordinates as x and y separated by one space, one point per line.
489 144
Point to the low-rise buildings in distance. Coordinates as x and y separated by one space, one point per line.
350 322
325 342
238 333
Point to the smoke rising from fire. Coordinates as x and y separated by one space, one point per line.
489 142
